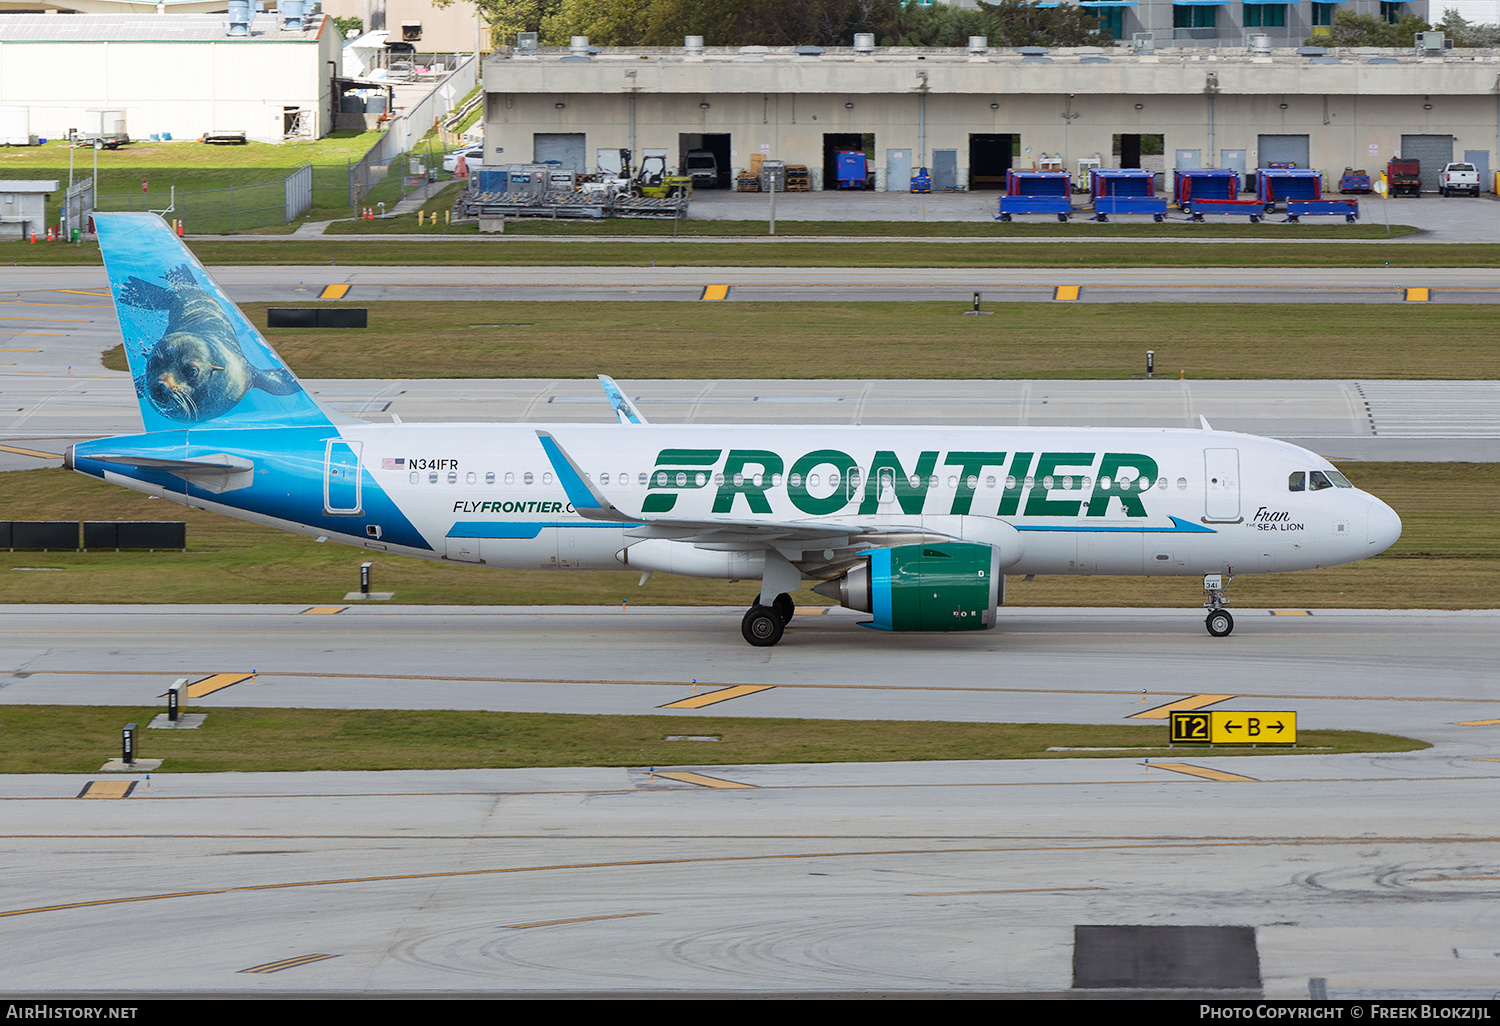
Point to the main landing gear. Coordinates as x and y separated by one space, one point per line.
1218 621
764 625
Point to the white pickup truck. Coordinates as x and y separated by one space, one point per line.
1459 178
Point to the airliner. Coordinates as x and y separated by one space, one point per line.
916 526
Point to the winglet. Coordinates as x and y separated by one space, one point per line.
582 495
625 410
1203 421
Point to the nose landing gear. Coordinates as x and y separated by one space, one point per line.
1218 621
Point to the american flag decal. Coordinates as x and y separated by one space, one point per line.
398 463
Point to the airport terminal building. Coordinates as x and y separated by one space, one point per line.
971 114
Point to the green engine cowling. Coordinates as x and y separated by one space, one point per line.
945 586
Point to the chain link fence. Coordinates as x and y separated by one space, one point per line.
217 211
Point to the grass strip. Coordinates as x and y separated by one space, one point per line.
895 340
507 251
1447 556
78 739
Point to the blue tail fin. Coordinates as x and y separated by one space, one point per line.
196 359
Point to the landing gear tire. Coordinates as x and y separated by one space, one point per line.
785 608
762 626
1219 623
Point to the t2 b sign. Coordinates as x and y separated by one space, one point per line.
1221 727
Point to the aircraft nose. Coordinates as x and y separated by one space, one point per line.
1383 527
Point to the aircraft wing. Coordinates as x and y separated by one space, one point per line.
728 534
625 410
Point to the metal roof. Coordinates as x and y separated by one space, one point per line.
147 28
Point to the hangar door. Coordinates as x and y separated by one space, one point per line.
564 148
1283 149
1433 151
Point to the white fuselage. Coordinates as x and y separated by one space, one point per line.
1055 500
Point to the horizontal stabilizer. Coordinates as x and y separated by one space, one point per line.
217 472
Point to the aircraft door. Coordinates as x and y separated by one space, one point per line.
1221 485
342 486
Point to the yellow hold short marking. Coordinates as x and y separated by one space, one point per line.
722 695
701 780
1202 771
1162 712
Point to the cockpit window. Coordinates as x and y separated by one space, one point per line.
1339 479
1318 480
1297 482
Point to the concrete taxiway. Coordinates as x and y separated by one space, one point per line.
1374 873
351 283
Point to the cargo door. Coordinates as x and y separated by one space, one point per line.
563 149
464 550
1283 149
1433 151
341 478
1221 485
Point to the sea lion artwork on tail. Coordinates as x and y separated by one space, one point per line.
196 371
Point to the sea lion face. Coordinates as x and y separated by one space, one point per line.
193 377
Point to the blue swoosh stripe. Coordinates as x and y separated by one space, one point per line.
1179 526
514 528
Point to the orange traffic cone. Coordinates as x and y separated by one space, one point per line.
33 236
49 234
179 227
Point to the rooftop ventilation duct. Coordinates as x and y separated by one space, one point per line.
693 46
864 42
291 15
578 46
239 17
1259 44
979 45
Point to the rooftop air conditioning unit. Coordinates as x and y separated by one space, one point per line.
1143 43
526 42
1429 42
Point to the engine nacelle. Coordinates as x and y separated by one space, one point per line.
943 586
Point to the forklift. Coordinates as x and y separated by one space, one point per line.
653 180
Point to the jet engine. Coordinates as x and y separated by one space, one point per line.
939 586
